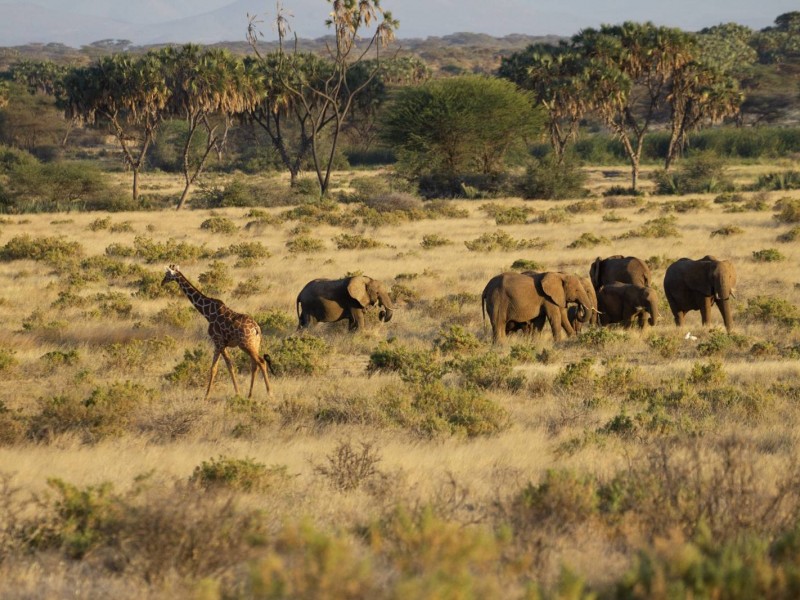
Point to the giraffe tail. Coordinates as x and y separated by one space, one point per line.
268 360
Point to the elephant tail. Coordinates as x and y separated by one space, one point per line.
483 311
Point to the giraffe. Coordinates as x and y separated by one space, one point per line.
227 329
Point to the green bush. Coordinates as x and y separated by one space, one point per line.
727 230
784 180
488 371
588 240
238 474
433 240
217 224
354 241
546 180
348 469
176 314
500 240
770 309
304 243
659 227
456 340
52 250
275 322
192 370
768 255
217 279
301 356
524 264
414 366
720 342
789 211
700 173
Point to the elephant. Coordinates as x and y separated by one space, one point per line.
624 302
574 315
697 284
513 300
618 268
329 300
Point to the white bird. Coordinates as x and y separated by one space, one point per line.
689 336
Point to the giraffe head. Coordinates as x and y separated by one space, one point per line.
171 274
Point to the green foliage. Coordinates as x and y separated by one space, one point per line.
459 125
666 345
546 179
238 474
301 356
789 211
52 250
7 359
783 181
354 241
434 240
304 243
488 371
700 173
108 411
514 215
456 340
659 227
720 342
600 337
524 264
138 354
727 230
588 240
500 240
414 366
275 322
151 251
192 370
563 498
217 224
768 255
175 314
771 309
790 236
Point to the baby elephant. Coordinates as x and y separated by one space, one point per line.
624 302
329 300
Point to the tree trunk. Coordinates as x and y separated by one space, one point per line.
135 184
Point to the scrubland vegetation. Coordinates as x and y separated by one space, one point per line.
413 459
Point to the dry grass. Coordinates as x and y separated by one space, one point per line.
463 480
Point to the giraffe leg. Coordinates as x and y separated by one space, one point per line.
256 362
213 373
228 362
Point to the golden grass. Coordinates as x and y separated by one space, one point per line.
482 470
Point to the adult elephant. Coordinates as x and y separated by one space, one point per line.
574 314
618 268
329 300
513 300
626 302
697 284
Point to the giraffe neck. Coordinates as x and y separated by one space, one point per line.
208 307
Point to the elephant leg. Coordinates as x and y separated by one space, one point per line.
705 310
356 319
677 313
554 316
565 322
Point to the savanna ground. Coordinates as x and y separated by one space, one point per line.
413 459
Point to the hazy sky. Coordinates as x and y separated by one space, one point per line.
418 18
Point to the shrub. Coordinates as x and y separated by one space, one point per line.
601 336
700 173
666 345
347 241
138 354
770 309
52 250
348 469
588 240
7 359
524 264
433 240
660 227
789 211
720 342
727 230
488 371
192 370
238 474
300 355
456 340
514 215
304 243
547 180
217 279
175 314
414 366
275 322
563 500
114 304
784 180
249 253
768 255
790 236
249 287
500 240
151 251
217 224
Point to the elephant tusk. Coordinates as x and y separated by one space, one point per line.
733 294
597 311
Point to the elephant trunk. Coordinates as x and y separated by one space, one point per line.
653 310
388 308
727 316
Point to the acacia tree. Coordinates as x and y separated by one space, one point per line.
327 103
459 125
206 87
128 94
553 75
629 68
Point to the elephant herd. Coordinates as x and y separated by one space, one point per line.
617 291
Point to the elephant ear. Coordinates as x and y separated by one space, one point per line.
553 287
594 272
357 288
